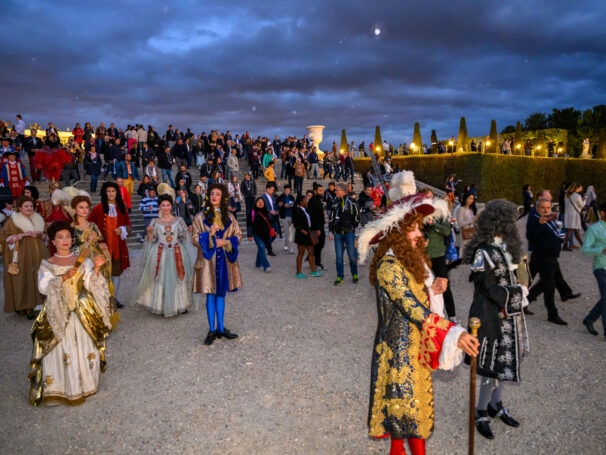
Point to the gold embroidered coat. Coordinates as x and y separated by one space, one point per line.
204 270
407 346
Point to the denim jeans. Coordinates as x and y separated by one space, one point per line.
168 174
93 183
343 241
600 308
261 256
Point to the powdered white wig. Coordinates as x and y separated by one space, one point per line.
383 225
402 184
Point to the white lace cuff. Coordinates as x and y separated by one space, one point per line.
124 233
451 355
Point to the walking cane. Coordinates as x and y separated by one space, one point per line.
474 325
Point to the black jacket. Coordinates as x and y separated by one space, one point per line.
248 188
299 221
92 167
344 216
165 161
315 208
544 239
260 225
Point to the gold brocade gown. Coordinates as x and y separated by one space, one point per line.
69 334
95 250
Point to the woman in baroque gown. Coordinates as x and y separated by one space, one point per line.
69 333
166 279
411 339
87 234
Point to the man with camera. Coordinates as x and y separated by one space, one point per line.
545 244
343 221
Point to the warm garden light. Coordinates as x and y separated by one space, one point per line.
487 143
518 146
559 149
538 147
378 149
450 143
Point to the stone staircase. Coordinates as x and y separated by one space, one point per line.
136 216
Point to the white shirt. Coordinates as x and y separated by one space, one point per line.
271 202
20 127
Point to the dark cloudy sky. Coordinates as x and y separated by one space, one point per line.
275 66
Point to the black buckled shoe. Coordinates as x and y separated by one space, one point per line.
503 414
226 334
210 338
483 424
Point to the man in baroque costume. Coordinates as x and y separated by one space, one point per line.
412 339
494 253
217 235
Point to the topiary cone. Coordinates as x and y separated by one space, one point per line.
463 137
518 145
601 150
539 145
416 139
378 143
344 148
493 145
434 142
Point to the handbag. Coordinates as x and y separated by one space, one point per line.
467 232
13 267
451 251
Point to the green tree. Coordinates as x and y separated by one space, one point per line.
536 121
566 119
517 148
378 143
508 129
344 148
416 140
492 144
463 137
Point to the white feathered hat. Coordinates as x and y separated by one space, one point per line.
402 184
66 195
441 209
376 230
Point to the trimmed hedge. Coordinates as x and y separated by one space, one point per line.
501 176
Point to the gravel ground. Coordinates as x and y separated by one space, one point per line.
297 379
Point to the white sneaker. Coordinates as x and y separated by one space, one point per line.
268 269
285 248
291 251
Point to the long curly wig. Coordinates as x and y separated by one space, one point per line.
497 219
119 201
413 258
208 210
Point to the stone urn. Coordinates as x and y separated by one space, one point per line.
315 134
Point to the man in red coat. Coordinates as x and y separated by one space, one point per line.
111 217
13 175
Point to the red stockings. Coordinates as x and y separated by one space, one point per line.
417 446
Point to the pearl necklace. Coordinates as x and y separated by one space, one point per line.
68 256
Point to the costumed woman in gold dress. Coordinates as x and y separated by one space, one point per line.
22 241
87 235
411 341
69 333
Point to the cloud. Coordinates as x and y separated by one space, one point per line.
279 66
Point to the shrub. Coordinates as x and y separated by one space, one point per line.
501 176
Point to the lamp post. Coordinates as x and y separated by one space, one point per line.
451 143
487 145
413 146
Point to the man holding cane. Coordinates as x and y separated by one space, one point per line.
411 340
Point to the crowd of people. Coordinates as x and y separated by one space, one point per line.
75 253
